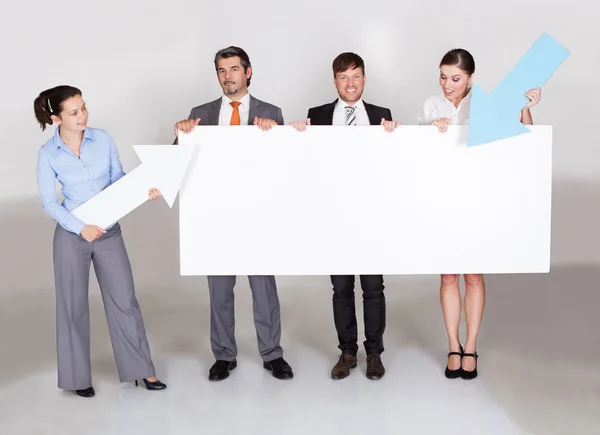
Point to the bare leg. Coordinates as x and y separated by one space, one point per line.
474 305
451 303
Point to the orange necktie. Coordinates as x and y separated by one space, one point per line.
235 116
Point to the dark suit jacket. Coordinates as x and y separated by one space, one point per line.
323 115
209 112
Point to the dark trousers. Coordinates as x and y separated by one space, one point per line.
344 312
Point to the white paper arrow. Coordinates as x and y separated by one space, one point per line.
163 167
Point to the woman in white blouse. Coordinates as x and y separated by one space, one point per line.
452 107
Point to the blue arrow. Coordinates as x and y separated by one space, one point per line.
494 117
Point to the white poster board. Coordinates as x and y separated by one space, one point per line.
358 200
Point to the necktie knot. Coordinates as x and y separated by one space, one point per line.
235 104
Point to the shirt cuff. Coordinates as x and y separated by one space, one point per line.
75 225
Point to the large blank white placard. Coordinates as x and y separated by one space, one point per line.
358 200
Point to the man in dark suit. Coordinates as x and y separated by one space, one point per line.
237 107
349 109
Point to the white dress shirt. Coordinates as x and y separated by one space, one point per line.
439 106
339 113
227 110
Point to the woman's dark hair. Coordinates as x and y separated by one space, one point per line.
232 51
461 58
345 61
50 102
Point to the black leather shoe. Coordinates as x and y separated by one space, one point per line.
280 368
220 370
88 392
453 374
473 373
158 385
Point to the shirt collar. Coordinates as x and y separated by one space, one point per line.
466 99
245 100
341 105
58 142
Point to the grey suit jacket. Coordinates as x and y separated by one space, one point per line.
209 112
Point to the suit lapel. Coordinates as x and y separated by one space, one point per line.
371 114
253 111
215 111
328 113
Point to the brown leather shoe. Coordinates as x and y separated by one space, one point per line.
375 369
343 366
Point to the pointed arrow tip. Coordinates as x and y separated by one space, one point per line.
486 124
168 164
170 197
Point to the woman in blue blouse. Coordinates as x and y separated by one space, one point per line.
85 161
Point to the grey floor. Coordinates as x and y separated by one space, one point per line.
539 365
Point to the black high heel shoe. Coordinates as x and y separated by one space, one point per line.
88 392
158 385
472 374
453 374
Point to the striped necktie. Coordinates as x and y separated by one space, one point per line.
350 115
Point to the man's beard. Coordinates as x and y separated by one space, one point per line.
230 91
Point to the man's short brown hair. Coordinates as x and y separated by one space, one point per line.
346 61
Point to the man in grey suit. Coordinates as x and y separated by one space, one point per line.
237 107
